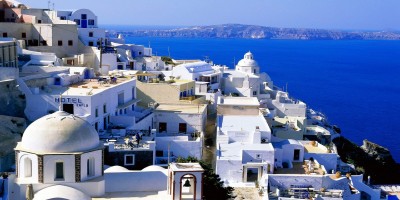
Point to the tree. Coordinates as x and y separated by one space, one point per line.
213 187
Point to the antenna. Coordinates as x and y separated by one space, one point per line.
169 53
60 103
48 4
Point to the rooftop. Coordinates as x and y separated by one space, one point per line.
181 108
186 167
309 148
248 101
300 168
233 151
247 123
85 87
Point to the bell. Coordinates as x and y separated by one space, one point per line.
187 183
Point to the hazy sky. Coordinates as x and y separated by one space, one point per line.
329 14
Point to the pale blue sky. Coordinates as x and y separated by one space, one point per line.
328 14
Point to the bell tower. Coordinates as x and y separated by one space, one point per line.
185 181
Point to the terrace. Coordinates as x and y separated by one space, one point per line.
309 167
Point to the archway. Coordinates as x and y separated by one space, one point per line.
188 187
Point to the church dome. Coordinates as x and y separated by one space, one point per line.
59 132
248 61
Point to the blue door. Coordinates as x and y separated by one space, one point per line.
87 74
84 23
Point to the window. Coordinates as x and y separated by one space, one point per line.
23 35
63 18
129 159
70 42
77 21
90 43
90 167
39 21
258 156
83 16
96 126
121 98
255 71
59 171
162 126
27 167
60 43
254 92
105 108
133 93
182 127
133 107
96 112
91 22
5 35
90 34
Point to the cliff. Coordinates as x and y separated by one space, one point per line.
262 32
370 159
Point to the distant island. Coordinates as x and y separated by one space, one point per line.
261 32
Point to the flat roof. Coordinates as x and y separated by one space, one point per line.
84 88
233 151
251 101
242 122
182 108
186 167
313 149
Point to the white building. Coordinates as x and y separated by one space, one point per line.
244 153
59 149
60 157
87 24
8 60
201 72
246 80
98 102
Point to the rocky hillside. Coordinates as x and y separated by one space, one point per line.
370 159
262 32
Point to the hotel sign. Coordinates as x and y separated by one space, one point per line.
77 101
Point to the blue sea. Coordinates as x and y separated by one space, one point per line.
356 84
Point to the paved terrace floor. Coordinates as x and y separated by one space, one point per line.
298 168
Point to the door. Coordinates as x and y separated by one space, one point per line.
296 155
87 74
69 108
84 23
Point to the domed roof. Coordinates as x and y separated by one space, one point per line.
59 132
248 61
61 192
153 168
116 168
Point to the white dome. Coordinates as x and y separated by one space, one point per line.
116 168
59 132
61 192
153 168
248 61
